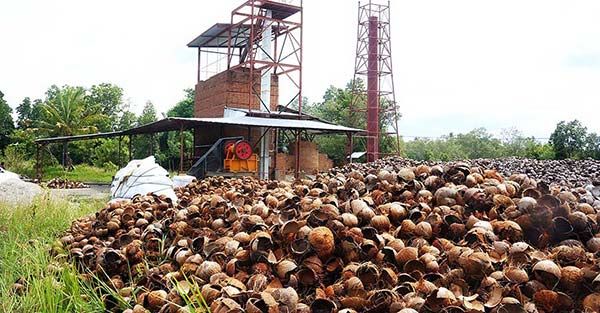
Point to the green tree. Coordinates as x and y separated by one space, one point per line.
148 114
145 145
106 153
7 125
569 139
29 113
443 149
336 107
169 142
65 114
106 99
126 120
478 143
592 146
514 142
24 113
185 107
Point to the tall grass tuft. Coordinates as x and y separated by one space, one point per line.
27 234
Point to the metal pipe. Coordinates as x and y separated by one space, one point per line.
199 65
373 91
265 96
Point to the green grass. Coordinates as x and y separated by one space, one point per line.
26 237
82 173
30 253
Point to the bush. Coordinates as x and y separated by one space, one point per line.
16 160
106 154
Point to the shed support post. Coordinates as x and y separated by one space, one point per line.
64 154
38 165
297 156
130 147
119 151
181 149
350 146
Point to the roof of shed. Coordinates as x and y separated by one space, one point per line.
233 117
217 36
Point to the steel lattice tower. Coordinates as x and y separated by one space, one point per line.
373 65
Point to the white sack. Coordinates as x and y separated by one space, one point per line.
182 180
142 177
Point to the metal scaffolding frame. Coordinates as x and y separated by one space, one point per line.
373 64
241 42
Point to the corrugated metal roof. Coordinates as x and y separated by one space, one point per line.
217 36
278 123
177 123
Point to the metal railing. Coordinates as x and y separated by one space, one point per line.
212 160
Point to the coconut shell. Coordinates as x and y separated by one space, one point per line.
322 241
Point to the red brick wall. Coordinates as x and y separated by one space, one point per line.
230 89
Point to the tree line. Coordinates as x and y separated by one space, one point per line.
75 110
570 139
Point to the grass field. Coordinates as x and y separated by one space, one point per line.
82 173
50 284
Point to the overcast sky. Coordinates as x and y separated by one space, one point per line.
458 64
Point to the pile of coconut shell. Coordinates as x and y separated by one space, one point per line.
63 183
451 238
570 173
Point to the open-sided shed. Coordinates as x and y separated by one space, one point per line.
284 120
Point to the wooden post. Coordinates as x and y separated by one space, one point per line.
64 154
181 149
350 146
38 165
119 152
297 156
275 141
130 147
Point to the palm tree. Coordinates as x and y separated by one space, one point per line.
66 114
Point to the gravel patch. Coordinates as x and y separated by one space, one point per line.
17 192
95 192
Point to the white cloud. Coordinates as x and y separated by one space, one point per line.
458 64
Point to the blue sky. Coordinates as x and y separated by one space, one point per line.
459 64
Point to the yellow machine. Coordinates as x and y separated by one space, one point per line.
239 157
